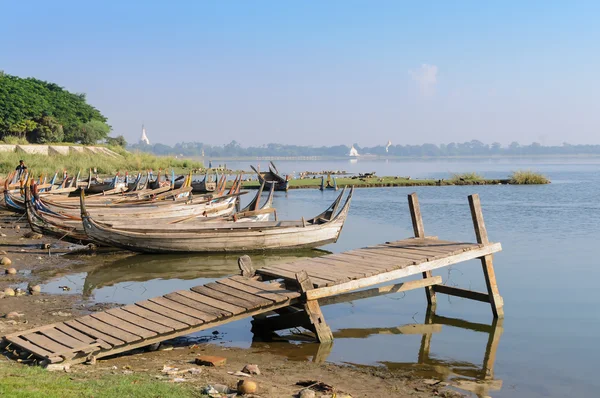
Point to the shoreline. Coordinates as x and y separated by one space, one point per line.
356 183
143 368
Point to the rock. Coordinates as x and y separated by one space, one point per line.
19 292
210 360
128 372
194 371
9 291
306 393
35 289
13 315
5 261
251 369
17 228
33 235
11 271
3 235
247 387
57 366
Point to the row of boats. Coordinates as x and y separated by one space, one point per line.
155 216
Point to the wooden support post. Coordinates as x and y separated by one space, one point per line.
426 339
419 230
313 310
486 261
491 348
245 265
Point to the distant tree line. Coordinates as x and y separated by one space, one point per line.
36 111
471 148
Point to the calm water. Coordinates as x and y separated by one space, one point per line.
546 345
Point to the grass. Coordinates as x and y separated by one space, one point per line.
104 164
458 178
528 177
19 381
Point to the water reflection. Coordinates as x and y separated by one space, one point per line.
476 378
145 267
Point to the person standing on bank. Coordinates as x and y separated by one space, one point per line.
21 169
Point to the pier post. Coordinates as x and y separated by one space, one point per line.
313 310
487 263
419 230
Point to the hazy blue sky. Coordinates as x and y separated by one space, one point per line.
320 72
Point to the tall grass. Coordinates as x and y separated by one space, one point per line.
458 178
104 164
525 177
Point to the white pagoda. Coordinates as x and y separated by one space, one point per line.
353 152
144 138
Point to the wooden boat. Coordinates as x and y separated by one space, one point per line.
224 237
272 177
327 184
208 184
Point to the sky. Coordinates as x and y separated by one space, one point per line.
320 72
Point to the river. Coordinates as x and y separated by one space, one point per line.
547 274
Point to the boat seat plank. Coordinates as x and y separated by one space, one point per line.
183 309
138 320
69 331
233 309
94 333
154 317
207 309
107 329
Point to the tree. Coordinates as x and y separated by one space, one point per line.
92 132
117 141
47 130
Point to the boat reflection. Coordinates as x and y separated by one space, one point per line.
146 267
474 378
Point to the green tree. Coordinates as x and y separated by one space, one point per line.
47 129
117 141
92 132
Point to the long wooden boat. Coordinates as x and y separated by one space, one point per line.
224 237
272 177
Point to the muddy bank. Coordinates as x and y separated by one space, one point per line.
279 374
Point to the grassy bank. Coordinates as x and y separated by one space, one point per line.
528 177
104 164
19 381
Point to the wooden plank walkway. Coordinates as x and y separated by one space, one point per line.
292 298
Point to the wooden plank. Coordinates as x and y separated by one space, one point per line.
359 259
318 271
403 272
69 331
34 349
334 269
287 275
263 293
94 333
207 309
345 262
226 298
464 293
234 309
154 317
183 309
123 325
64 339
356 269
378 291
391 258
107 329
274 287
423 251
389 264
397 253
254 301
138 320
46 343
415 215
478 222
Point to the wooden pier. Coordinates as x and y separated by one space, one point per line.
277 297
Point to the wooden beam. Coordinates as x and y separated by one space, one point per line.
245 266
487 262
419 230
379 291
313 310
401 273
464 293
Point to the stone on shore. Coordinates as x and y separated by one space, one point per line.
11 271
247 387
9 291
210 360
5 261
251 369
